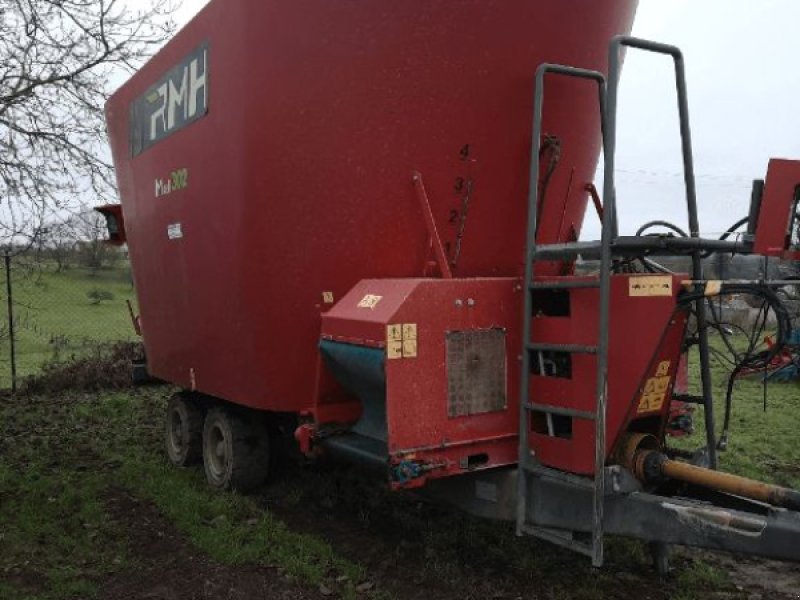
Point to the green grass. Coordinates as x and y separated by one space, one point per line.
762 444
61 457
55 319
56 538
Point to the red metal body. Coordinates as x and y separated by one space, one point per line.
644 350
644 354
778 228
420 426
288 176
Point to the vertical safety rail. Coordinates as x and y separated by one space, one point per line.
526 463
614 68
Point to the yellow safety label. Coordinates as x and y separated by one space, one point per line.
655 389
401 341
650 285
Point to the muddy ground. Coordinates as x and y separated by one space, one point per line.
90 509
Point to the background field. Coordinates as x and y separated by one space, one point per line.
60 315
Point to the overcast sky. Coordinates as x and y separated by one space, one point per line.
744 102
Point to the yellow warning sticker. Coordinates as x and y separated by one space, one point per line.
651 402
409 348
394 333
650 285
401 340
327 297
713 288
655 389
369 301
394 349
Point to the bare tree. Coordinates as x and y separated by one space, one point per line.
89 231
56 243
57 58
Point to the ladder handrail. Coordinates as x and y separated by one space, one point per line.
609 192
533 201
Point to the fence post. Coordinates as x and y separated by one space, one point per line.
9 298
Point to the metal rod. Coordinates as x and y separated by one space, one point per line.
691 201
11 336
430 223
768 283
598 205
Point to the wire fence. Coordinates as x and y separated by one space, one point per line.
60 310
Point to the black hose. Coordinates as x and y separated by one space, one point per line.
675 229
750 360
728 232
665 224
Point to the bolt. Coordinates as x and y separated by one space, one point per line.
459 303
470 302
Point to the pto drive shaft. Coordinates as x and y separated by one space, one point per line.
652 466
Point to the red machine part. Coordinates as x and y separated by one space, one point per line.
115 223
451 372
289 178
778 228
644 352
431 416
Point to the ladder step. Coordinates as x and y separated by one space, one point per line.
562 411
539 470
570 348
564 285
560 538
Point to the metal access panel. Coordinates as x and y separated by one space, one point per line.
476 371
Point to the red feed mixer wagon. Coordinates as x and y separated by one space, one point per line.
362 218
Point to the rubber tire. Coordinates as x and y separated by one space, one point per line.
245 447
183 431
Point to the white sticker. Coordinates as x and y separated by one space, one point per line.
370 301
174 231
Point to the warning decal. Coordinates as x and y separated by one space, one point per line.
655 389
401 341
650 285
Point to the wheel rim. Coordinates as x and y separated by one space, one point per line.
217 452
177 433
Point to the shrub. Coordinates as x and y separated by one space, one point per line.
96 296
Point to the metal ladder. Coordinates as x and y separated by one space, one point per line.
529 468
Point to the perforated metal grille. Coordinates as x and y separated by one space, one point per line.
476 371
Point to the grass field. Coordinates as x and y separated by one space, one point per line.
55 319
763 443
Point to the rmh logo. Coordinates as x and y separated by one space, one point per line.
180 98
